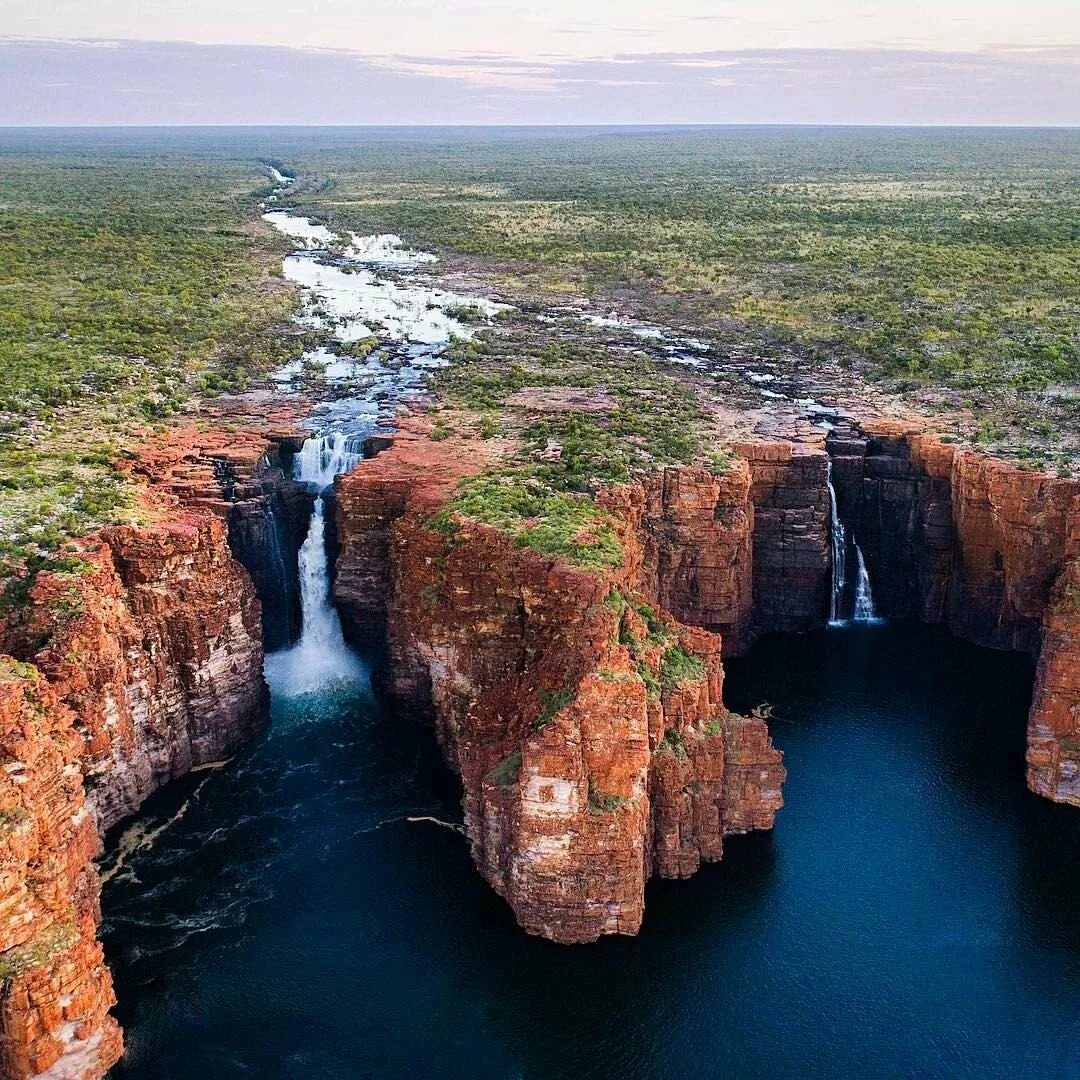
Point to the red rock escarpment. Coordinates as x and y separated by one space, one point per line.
57 992
156 648
587 763
147 662
696 531
991 550
791 549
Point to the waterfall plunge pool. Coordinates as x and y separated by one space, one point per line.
915 912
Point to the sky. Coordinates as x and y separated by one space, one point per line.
555 61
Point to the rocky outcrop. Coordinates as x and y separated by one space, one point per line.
146 662
155 646
56 990
791 550
1053 756
587 726
246 478
695 527
416 474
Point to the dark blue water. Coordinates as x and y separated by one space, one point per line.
915 913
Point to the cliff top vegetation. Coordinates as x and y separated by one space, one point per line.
129 281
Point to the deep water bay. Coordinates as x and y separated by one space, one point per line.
915 913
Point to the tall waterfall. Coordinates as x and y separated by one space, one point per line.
321 625
323 458
320 658
864 596
839 556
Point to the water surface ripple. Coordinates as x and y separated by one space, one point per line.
915 912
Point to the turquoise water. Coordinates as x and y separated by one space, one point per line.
915 913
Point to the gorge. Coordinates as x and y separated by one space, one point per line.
582 712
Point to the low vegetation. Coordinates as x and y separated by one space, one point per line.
507 771
128 283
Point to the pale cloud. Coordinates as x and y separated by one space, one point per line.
50 82
525 29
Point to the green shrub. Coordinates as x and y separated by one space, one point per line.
507 771
552 702
679 666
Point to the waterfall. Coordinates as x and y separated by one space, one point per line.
321 658
321 626
839 555
864 596
321 459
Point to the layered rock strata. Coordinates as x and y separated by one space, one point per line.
155 646
696 531
245 477
140 662
587 725
57 992
792 564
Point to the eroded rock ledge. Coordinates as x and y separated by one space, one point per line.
586 723
142 662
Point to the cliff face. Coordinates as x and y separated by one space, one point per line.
146 661
791 549
696 532
57 991
156 649
587 726
1054 725
245 478
993 551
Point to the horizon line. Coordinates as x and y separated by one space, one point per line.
1034 125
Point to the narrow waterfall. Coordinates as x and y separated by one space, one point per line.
321 626
839 556
320 658
864 596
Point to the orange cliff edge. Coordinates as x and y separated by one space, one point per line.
587 764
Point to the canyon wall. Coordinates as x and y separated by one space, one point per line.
587 724
696 531
138 663
57 992
792 558
155 646
244 477
989 549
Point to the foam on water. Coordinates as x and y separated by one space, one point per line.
321 658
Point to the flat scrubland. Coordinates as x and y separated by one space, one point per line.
129 282
935 257
135 278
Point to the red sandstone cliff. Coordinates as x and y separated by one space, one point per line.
696 533
157 650
147 661
57 991
1054 724
589 759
